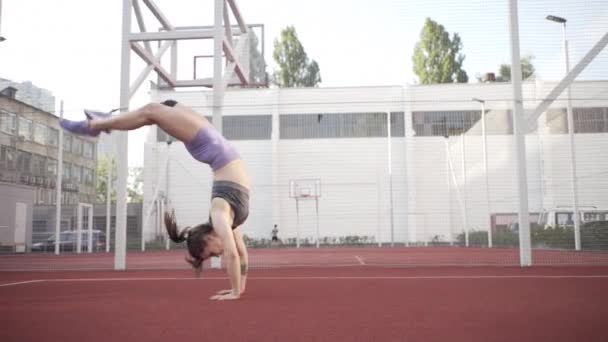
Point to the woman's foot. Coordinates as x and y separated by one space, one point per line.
78 127
96 114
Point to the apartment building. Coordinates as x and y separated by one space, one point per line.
29 148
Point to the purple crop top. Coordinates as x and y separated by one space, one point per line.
210 147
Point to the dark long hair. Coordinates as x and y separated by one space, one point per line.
194 237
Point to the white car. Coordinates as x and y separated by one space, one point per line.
564 216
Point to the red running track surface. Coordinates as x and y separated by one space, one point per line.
310 304
312 257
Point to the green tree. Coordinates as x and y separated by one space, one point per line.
103 164
437 58
295 70
135 185
527 69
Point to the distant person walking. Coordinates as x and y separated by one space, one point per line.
275 234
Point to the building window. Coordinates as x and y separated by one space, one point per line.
39 226
77 174
67 171
51 167
77 146
24 162
87 149
38 165
247 127
25 128
67 143
7 157
444 123
340 125
87 175
8 122
590 120
52 137
397 124
586 120
40 133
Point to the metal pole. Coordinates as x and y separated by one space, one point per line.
525 254
161 221
390 179
218 39
90 228
317 211
1 38
464 192
79 229
485 168
297 223
122 143
58 185
447 172
576 218
378 200
109 202
167 198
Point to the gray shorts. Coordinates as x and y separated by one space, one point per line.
236 195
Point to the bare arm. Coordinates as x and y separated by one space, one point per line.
244 258
242 250
222 226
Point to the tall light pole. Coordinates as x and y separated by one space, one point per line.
1 38
485 165
465 218
390 178
576 218
448 172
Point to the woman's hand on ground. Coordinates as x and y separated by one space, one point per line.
226 296
223 292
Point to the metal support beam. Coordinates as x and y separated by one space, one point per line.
221 78
159 15
234 58
565 82
122 145
141 23
227 26
525 253
164 74
218 42
171 35
1 38
201 82
237 15
58 185
144 74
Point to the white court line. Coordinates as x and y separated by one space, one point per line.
488 277
603 276
22 282
359 260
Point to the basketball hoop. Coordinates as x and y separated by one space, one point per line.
305 190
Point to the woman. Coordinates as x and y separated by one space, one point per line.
230 194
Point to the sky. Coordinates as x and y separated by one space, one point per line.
72 47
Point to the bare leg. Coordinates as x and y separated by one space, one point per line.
181 122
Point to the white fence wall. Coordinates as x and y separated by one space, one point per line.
354 171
